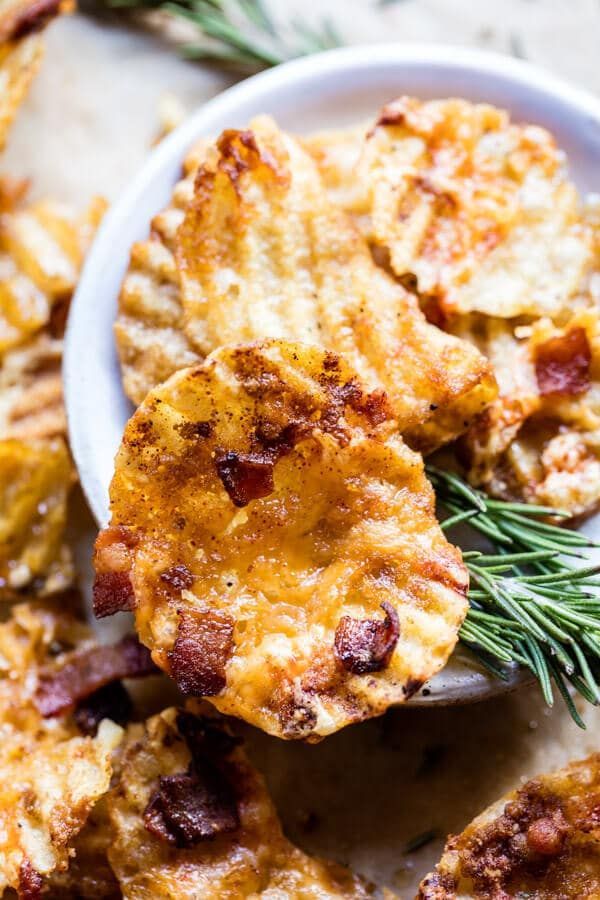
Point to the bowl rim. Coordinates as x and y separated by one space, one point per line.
515 73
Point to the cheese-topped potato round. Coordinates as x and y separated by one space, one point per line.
189 817
475 211
541 842
539 440
278 542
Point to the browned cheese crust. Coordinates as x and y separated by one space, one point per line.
540 842
278 542
191 818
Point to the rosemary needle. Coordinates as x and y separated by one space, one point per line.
529 605
241 34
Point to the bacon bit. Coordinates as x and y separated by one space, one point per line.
562 364
392 114
192 807
109 702
30 882
90 670
545 836
246 476
178 577
366 645
33 17
205 737
201 652
112 593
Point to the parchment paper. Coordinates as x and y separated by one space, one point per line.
362 795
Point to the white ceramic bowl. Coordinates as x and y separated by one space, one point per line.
322 91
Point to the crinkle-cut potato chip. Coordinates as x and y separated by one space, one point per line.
149 330
541 842
540 440
475 211
31 393
50 775
278 542
42 246
35 481
21 51
263 253
191 818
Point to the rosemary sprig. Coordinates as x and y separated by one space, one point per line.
241 34
528 604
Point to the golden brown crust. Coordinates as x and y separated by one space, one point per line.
257 501
251 858
540 841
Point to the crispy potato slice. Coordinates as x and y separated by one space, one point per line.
191 818
279 543
42 247
264 254
50 776
540 440
35 480
21 51
473 209
149 329
541 842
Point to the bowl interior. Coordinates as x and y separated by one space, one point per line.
325 91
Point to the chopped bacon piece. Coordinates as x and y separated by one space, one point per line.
562 364
246 476
90 670
112 593
192 807
366 645
201 651
178 577
30 882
